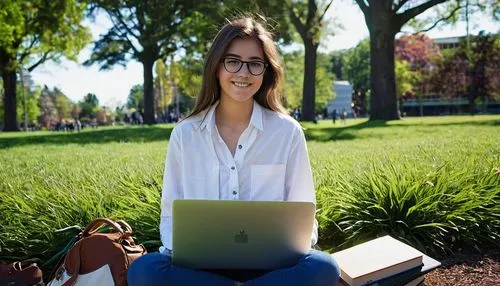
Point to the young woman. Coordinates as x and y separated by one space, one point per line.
238 144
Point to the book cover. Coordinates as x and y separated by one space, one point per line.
409 277
376 259
429 264
400 278
416 282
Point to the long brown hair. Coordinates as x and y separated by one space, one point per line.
245 27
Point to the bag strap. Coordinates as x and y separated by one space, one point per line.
62 257
75 271
125 226
96 224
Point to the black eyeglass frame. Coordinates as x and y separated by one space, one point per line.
223 60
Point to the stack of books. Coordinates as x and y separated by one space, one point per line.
383 261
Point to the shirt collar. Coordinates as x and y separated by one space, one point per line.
209 116
256 119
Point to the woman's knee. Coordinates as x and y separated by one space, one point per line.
143 269
323 266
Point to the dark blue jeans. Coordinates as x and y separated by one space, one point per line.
315 268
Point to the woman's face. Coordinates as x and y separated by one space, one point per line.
240 85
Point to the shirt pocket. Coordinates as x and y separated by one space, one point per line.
268 182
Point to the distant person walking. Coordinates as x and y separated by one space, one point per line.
78 125
343 117
334 116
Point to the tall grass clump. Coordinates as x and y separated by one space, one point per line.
438 211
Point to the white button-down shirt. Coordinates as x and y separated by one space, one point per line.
270 164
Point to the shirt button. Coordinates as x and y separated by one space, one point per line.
235 192
232 168
239 146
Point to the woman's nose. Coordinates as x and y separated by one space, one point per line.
244 69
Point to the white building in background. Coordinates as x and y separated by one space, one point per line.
342 100
447 43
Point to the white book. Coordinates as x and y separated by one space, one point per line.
376 259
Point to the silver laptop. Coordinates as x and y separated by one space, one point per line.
211 234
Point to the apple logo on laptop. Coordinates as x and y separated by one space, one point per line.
242 237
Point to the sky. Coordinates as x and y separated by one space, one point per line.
112 87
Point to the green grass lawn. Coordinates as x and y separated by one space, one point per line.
432 182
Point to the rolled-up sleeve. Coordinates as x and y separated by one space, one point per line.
172 189
299 185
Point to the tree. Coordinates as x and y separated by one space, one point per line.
406 80
337 60
136 98
416 57
185 82
324 84
418 50
450 78
293 66
308 20
33 32
48 111
357 71
293 85
457 76
89 106
103 117
63 104
485 69
32 110
75 111
146 31
384 19
162 88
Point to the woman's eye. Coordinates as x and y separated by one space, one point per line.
256 64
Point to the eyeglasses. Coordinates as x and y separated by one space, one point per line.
233 65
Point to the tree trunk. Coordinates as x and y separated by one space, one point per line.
9 101
383 82
309 87
149 105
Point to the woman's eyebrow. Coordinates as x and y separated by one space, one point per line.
239 57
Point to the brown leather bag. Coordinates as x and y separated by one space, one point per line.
20 274
94 249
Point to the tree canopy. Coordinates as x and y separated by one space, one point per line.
147 31
33 32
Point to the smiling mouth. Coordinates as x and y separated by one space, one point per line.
240 84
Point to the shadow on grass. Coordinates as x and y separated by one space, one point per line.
324 134
162 133
332 133
91 136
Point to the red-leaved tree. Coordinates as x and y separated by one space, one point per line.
418 50
474 74
422 55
